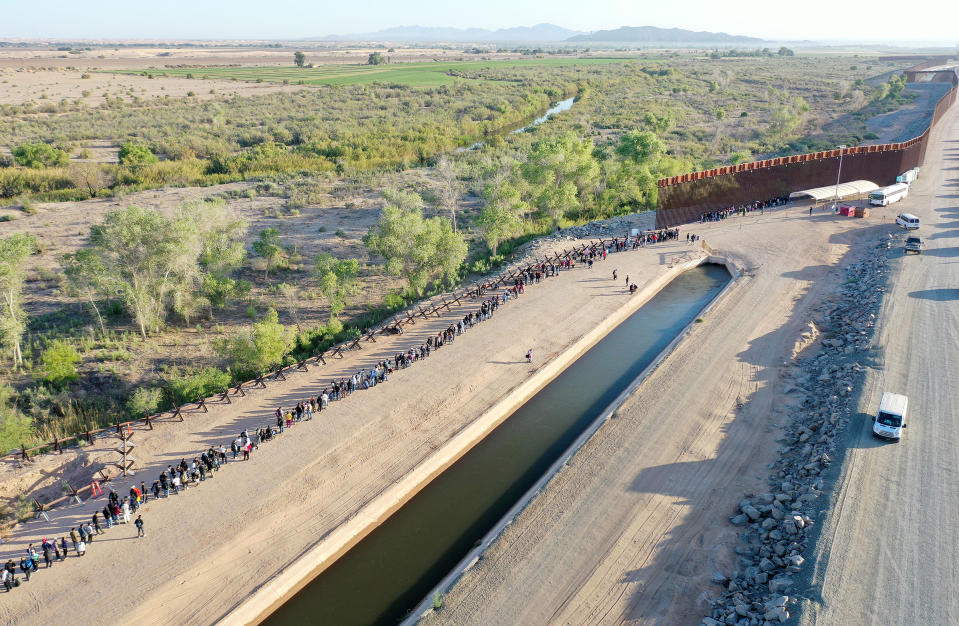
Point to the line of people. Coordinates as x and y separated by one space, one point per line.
743 209
115 512
205 465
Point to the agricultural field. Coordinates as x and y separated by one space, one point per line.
301 178
421 74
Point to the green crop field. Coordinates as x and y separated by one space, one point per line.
409 74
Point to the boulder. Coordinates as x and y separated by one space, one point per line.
751 511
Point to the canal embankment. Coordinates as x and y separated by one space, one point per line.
285 585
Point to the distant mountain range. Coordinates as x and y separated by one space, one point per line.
547 33
540 32
652 34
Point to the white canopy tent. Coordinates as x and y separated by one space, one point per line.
852 188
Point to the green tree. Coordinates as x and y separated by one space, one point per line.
560 174
376 58
87 279
416 248
255 351
299 58
500 217
785 52
14 250
136 154
59 363
148 260
40 155
222 250
15 427
450 186
269 247
641 147
337 279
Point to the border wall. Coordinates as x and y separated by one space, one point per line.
682 199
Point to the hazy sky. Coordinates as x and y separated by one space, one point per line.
282 19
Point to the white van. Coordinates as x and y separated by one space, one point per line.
891 418
907 221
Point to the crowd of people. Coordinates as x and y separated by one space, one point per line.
743 209
204 466
52 550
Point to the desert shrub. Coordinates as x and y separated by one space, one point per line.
136 154
144 401
59 364
16 182
191 385
40 155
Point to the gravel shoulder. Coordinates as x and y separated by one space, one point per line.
635 527
887 551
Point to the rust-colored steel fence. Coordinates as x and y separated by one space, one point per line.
682 199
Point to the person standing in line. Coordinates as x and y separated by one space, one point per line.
26 566
81 548
96 523
74 538
63 546
82 536
126 510
139 524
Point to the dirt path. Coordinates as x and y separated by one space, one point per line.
634 527
888 549
210 546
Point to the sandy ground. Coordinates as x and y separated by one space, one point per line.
912 119
245 526
888 548
49 76
635 526
18 86
243 523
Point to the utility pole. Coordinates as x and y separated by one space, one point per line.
835 204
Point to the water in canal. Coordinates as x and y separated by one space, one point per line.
384 576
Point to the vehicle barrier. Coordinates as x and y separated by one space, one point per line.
682 199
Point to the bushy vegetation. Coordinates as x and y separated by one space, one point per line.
634 121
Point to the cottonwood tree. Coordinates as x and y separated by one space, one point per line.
299 58
14 250
149 259
501 217
269 247
221 249
155 264
87 279
414 247
560 173
338 281
291 299
451 188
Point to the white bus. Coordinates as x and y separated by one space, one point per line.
888 195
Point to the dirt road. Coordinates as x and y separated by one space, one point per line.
209 547
889 547
635 526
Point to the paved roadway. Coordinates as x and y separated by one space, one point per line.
889 549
